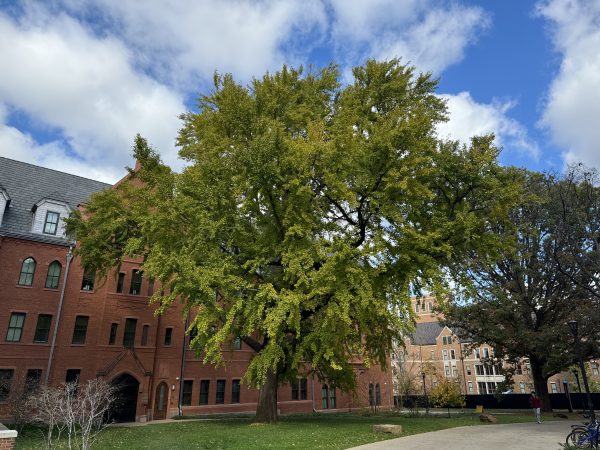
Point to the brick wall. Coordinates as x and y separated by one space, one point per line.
7 438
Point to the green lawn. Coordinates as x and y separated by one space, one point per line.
323 431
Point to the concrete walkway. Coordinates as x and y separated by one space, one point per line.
513 436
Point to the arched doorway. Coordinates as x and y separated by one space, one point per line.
160 401
125 406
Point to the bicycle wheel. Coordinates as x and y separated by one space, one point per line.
580 438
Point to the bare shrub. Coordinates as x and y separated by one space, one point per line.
77 410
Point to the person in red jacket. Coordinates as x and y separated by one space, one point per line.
536 404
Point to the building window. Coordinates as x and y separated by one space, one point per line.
120 282
295 390
325 396
479 369
477 354
454 371
136 282
87 283
145 330
470 387
377 394
204 387
53 275
481 387
371 394
186 394
72 375
15 327
235 391
553 388
332 399
42 328
150 287
303 392
445 353
430 307
594 368
432 356
129 334
417 307
447 371
486 352
468 370
80 330
32 379
27 272
168 336
113 333
237 343
522 387
6 377
220 392
51 222
491 387
452 354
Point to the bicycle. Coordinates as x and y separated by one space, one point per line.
584 436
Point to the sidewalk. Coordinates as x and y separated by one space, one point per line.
514 436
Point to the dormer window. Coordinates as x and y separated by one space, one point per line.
48 215
51 223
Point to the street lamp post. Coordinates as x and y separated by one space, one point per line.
574 330
425 392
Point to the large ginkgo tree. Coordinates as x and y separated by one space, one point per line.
307 212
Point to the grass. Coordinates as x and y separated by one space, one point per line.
316 431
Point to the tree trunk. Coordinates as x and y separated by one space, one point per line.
541 384
266 410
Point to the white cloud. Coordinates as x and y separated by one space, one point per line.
15 144
93 73
65 79
430 36
182 41
469 118
572 106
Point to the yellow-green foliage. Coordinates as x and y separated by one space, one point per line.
310 207
446 394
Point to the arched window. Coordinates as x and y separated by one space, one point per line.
377 395
27 271
332 401
53 275
371 395
324 396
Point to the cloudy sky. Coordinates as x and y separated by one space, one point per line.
79 78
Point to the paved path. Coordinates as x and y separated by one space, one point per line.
514 436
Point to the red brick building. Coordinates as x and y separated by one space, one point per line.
59 324
438 352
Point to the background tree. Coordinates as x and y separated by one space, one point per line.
519 301
310 209
447 394
577 222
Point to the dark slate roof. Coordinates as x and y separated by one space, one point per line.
426 333
27 184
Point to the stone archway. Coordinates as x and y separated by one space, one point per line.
161 399
127 388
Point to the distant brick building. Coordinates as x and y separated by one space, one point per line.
59 323
437 351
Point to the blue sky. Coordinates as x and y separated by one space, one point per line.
81 78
